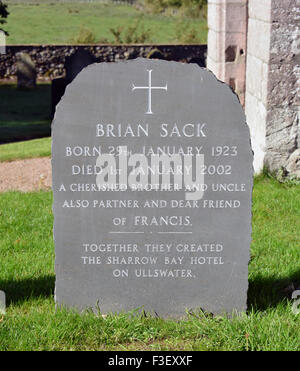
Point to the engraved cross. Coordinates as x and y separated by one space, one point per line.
150 88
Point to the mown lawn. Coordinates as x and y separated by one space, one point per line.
24 114
28 149
27 277
54 23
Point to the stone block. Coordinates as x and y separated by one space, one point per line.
254 76
216 68
260 9
214 17
264 82
275 160
256 120
215 45
285 12
259 39
283 140
236 17
283 86
285 44
293 163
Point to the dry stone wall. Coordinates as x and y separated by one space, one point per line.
50 59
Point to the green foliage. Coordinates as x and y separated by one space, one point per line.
187 33
155 6
24 114
136 33
3 15
190 8
282 176
85 36
194 8
27 149
58 23
157 54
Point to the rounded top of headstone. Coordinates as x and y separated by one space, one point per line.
193 84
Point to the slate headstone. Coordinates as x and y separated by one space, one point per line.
73 65
26 71
76 62
152 182
58 88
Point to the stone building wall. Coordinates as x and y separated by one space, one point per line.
273 83
227 39
272 73
283 89
258 56
50 59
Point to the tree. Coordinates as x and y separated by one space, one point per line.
3 15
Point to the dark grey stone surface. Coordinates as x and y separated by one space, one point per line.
76 62
163 251
73 65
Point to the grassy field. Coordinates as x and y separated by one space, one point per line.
53 23
24 114
28 149
27 277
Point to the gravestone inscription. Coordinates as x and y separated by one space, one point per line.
152 182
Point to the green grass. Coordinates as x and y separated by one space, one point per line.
27 149
24 114
32 323
58 23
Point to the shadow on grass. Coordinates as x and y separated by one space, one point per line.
263 292
18 291
24 114
268 292
22 132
